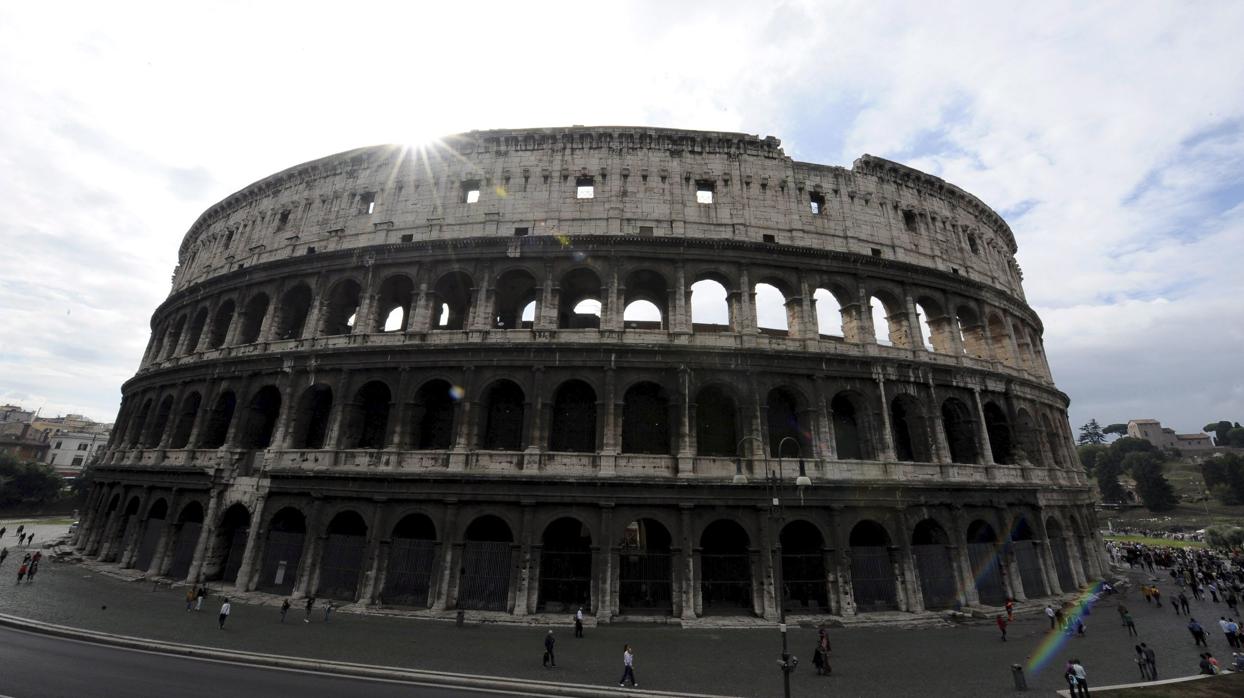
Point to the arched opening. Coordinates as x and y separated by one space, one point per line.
226 551
153 530
1038 354
282 552
887 323
566 567
432 416
514 291
578 306
195 333
804 582
1023 349
782 408
934 326
710 309
930 547
487 561
644 570
1028 442
1028 558
646 301
645 419
342 309
367 419
999 431
983 553
1001 340
189 525
1062 558
1052 442
311 420
412 560
292 317
848 431
573 425
185 420
828 313
451 299
960 431
503 417
393 303
872 571
716 423
261 416
220 325
252 318
971 332
725 569
174 336
155 430
771 314
126 526
218 420
341 564
139 423
157 343
911 430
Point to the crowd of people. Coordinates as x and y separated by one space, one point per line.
30 561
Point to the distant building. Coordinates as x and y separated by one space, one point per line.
23 441
66 443
70 451
1151 430
15 414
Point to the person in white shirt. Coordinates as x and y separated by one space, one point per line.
225 610
628 667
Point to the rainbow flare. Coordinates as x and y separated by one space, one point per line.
1057 637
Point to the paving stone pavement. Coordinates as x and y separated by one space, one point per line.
965 659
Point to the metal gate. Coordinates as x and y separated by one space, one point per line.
340 566
1062 563
281 554
408 579
937 575
147 546
234 555
726 582
485 583
644 583
183 550
987 573
565 580
872 578
1028 558
804 583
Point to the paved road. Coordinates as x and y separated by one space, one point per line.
39 666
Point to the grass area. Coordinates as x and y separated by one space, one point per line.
1157 541
1221 686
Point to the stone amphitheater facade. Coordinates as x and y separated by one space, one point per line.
524 371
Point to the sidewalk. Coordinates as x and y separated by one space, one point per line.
965 659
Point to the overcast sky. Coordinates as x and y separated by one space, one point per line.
1110 137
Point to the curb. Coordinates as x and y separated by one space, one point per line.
365 671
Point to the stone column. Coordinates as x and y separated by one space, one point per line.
247 571
982 432
133 538
421 314
971 596
205 537
603 593
690 590
839 569
937 430
337 416
311 547
611 305
450 550
528 587
289 384
747 305
887 431
1046 554
686 449
371 557
534 416
915 333
609 437
825 446
911 598
160 559
809 327
681 316
1012 581
481 311
766 594
547 309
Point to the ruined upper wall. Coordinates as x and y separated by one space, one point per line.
645 182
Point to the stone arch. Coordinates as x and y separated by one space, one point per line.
138 423
850 428
186 417
931 550
1028 559
645 572
155 430
341 309
911 429
260 418
342 559
725 569
1053 442
310 427
1062 556
194 333
984 550
646 291
960 431
367 417
152 531
578 306
1000 340
450 299
291 317
936 331
503 417
174 336
565 567
252 318
282 551
873 580
573 425
803 568
186 539
432 416
514 294
228 545
710 305
221 321
487 562
830 320
411 562
645 419
1028 441
772 313
218 419
716 422
783 407
999 430
971 332
889 318
393 302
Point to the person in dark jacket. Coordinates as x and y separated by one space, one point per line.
549 659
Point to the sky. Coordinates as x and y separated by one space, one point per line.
1110 136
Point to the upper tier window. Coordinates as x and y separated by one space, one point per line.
704 192
585 188
470 192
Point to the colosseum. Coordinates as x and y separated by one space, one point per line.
644 371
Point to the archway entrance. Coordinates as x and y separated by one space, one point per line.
282 552
152 533
1028 559
190 524
803 569
412 558
487 559
986 568
229 545
872 571
644 579
566 567
1062 559
342 562
725 569
930 546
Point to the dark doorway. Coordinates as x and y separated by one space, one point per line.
503 417
805 588
645 420
930 546
574 418
341 565
725 569
487 560
566 567
282 552
432 417
644 569
872 570
412 559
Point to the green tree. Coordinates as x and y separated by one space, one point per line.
1090 454
1235 437
1091 433
1107 473
1220 430
1154 489
27 482
1224 476
1116 429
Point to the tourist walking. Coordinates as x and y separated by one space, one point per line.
328 610
309 605
1122 612
1001 625
4 552
822 653
1049 613
1142 664
284 609
1183 602
1233 633
1131 625
550 659
199 596
628 667
1010 610
1198 633
578 622
21 572
190 596
2 530
1175 605
1151 660
34 567
1081 677
225 609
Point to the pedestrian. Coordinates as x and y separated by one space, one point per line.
1010 610
1081 677
2 530
307 608
1049 613
284 609
1080 627
578 622
1233 633
1058 617
1157 596
1151 660
328 610
225 609
1122 612
1175 605
190 595
21 573
1226 630
4 552
34 567
1144 666
1183 602
1213 591
1198 633
1131 625
822 653
550 659
1232 600
199 596
1001 625
1069 673
20 528
628 667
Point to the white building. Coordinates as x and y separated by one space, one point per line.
1151 430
